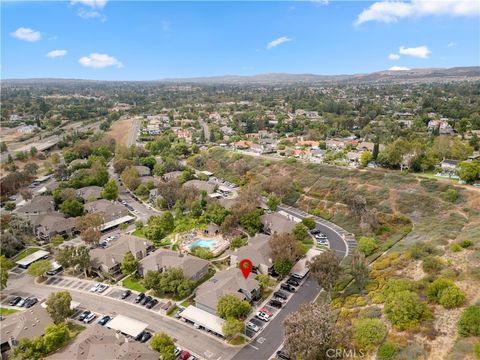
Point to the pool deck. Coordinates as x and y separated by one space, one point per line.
220 243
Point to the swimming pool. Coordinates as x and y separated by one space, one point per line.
203 243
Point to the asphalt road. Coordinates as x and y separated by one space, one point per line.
133 135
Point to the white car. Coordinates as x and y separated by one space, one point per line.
89 318
252 326
101 288
262 316
94 288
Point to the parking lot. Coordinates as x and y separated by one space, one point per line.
117 294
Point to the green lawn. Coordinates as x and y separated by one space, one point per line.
187 302
25 253
139 232
5 311
133 284
238 340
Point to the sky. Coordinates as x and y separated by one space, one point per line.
151 40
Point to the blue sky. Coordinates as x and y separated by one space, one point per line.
119 40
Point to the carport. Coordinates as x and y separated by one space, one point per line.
203 318
37 255
127 325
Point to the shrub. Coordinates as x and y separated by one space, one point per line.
395 286
469 323
368 333
421 249
370 312
405 309
434 290
455 247
451 195
476 350
387 351
452 297
432 264
466 243
367 245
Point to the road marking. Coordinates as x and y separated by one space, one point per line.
261 340
256 348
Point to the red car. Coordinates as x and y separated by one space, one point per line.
264 310
184 355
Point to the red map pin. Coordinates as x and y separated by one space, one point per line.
246 267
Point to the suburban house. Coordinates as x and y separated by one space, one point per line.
228 282
449 166
200 185
142 170
90 193
48 225
111 210
276 223
109 260
39 205
24 324
442 126
193 267
354 158
258 251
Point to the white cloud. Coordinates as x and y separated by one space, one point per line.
398 68
392 11
26 34
420 51
56 53
94 4
394 56
451 44
99 61
277 42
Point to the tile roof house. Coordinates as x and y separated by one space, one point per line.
88 193
276 223
51 224
111 210
24 324
39 205
228 282
143 170
101 343
110 259
193 267
258 251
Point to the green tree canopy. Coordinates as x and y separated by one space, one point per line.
230 306
58 306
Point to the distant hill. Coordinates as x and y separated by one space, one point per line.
387 76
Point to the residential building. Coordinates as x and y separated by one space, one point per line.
39 205
111 210
160 260
48 225
109 259
227 282
90 193
143 170
449 166
200 185
276 223
258 251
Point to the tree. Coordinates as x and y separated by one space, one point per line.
160 226
251 221
110 190
130 178
65 256
469 323
59 306
56 240
216 212
233 327
273 201
326 270
359 270
264 280
171 281
284 247
367 245
282 267
404 309
469 171
72 208
3 272
365 158
163 344
129 264
368 333
300 232
230 306
309 222
55 336
89 227
120 165
311 331
39 268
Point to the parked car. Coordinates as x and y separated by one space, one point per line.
266 311
139 298
262 316
94 288
152 303
22 302
30 302
177 352
83 315
282 355
293 282
191 357
287 287
145 300
101 288
145 337
14 301
184 355
275 303
126 294
314 231
281 294
104 320
252 326
90 317
298 277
